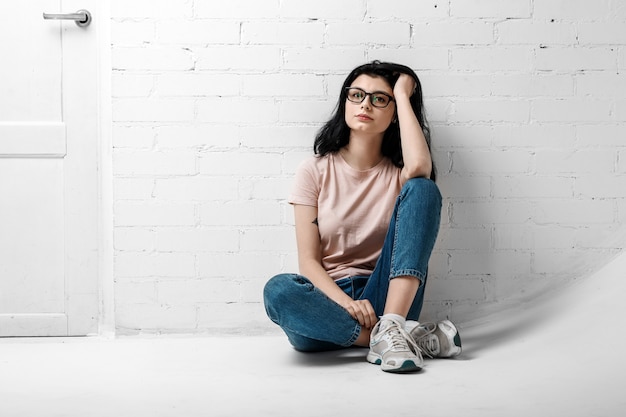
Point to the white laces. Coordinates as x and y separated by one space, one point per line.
398 339
426 340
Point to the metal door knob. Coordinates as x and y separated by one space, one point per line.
81 17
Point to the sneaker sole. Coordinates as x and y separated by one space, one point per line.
406 367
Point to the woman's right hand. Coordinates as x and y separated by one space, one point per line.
363 312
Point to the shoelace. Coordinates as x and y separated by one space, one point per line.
399 339
426 340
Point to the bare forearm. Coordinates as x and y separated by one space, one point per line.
314 271
415 152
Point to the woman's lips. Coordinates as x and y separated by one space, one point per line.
363 117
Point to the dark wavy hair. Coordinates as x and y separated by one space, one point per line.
335 134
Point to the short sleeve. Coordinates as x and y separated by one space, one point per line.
306 187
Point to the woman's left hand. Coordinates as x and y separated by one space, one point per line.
404 86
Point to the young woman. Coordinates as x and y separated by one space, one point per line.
367 214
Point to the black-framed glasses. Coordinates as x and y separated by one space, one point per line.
377 98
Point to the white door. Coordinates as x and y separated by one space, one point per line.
48 171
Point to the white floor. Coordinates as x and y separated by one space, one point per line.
562 358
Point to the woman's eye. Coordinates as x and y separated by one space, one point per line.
380 99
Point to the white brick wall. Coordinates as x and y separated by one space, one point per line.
215 103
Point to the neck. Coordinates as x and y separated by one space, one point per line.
363 153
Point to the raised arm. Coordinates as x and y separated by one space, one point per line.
415 152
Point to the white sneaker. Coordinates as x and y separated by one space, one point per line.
393 349
441 340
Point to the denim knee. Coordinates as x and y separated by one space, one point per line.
421 187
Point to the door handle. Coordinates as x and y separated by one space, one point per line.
81 17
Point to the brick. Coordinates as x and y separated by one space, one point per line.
574 161
255 265
456 84
461 136
576 110
600 236
265 188
153 163
305 111
192 84
234 318
322 60
465 187
129 213
198 136
533 32
490 161
240 213
272 137
132 32
533 187
453 33
273 239
535 85
509 211
464 238
601 85
196 188
198 31
240 111
553 236
509 58
491 111
562 262
368 32
323 9
603 185
197 240
135 292
237 9
410 10
438 110
194 291
293 159
133 188
456 290
513 236
572 211
575 59
137 239
580 10
271 33
244 58
417 57
283 85
239 163
139 264
133 136
535 136
126 84
602 34
151 58
153 317
491 9
500 263
153 110
601 135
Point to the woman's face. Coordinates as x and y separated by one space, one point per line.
368 116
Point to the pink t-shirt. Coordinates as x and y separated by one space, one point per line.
353 210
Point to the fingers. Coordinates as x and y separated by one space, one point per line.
363 312
405 84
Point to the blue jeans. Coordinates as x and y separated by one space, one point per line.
314 322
